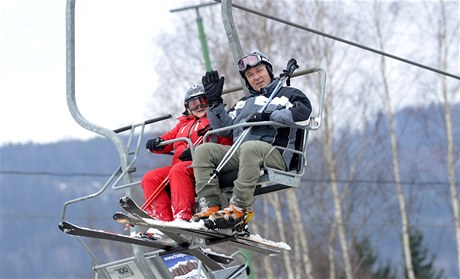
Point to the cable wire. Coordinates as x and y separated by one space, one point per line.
344 41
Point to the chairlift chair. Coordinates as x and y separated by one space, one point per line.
151 265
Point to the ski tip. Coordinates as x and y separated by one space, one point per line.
121 218
117 215
124 201
64 226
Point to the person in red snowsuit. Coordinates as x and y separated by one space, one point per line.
180 204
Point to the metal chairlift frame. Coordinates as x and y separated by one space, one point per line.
150 265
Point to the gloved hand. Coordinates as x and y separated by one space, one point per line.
186 155
257 117
152 144
213 86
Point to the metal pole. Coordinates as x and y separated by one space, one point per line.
232 36
201 33
203 41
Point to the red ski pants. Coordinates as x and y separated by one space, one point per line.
181 205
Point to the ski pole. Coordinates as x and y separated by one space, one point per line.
290 68
229 154
156 193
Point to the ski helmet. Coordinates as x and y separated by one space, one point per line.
252 59
196 91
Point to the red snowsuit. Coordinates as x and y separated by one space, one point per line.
181 205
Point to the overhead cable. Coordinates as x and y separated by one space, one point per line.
343 40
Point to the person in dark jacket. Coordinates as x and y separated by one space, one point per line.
290 106
180 203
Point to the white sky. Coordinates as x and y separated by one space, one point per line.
115 54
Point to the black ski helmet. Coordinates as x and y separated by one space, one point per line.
260 58
196 90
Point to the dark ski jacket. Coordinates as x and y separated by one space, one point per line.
290 106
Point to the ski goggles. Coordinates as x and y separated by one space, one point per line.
196 103
249 60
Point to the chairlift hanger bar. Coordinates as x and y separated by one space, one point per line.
343 40
192 7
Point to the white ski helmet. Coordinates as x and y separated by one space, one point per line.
195 91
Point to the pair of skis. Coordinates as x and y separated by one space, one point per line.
182 236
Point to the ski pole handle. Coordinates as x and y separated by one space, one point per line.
290 68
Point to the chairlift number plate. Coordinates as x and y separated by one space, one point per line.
123 271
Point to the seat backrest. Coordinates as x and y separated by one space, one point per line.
297 159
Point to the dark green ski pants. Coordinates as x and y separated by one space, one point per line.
248 159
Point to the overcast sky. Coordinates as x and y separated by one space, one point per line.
115 54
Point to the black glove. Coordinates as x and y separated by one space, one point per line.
213 86
257 117
152 144
186 155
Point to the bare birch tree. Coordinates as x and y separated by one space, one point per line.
322 18
378 18
302 236
265 227
446 31
443 60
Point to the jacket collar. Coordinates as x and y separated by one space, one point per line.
266 91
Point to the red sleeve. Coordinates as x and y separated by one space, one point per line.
224 140
171 134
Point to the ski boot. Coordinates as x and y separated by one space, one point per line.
205 213
232 217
